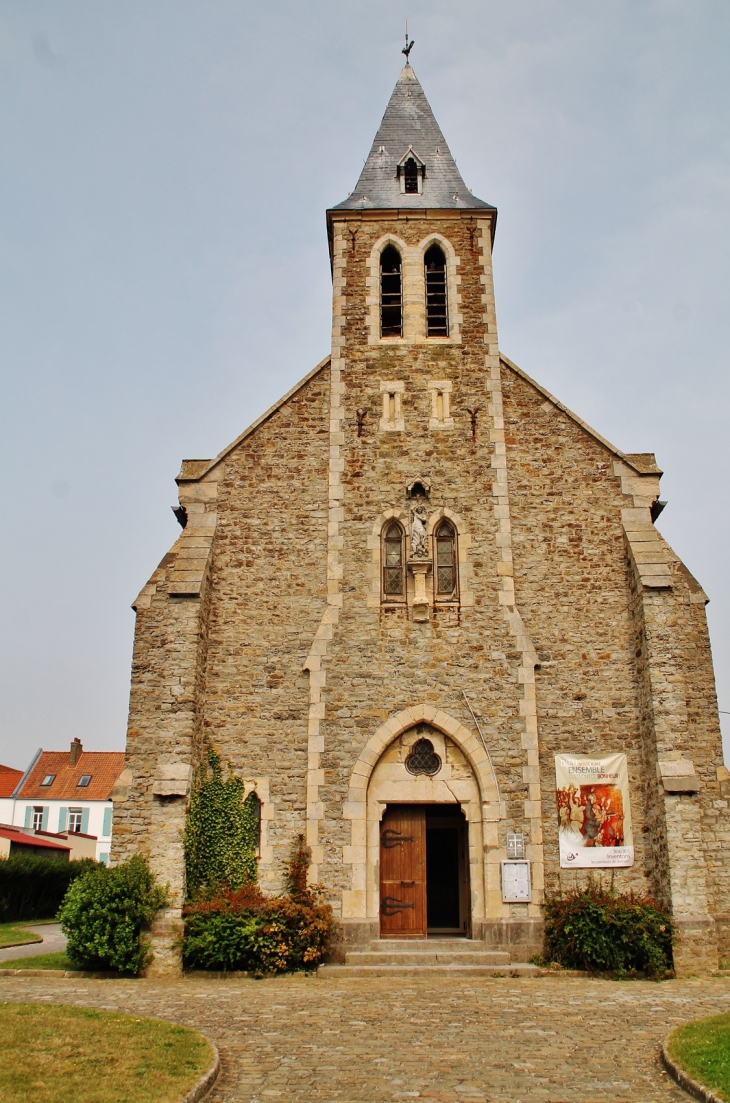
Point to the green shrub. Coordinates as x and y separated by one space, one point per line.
103 914
221 831
602 932
243 929
32 887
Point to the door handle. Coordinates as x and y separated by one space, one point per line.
408 884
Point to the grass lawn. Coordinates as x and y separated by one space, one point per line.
702 1048
52 1053
40 961
12 933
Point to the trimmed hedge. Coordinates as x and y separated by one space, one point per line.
32 887
103 915
243 929
602 932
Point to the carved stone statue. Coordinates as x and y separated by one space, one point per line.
419 540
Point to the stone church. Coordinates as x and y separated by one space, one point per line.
408 595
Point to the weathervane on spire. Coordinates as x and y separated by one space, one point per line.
408 46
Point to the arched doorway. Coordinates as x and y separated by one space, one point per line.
424 837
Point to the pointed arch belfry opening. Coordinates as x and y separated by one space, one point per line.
464 780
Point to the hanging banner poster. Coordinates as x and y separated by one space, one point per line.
594 815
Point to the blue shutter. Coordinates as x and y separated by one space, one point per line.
85 821
62 817
107 828
28 817
44 819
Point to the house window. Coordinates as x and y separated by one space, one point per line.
394 581
391 299
446 574
75 816
38 819
410 177
437 317
48 779
83 781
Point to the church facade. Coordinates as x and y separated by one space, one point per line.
413 592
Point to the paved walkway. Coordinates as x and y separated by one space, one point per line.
301 1040
53 942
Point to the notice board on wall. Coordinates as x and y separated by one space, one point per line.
594 813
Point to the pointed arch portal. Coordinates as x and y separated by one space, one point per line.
383 792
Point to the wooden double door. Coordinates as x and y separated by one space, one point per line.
423 871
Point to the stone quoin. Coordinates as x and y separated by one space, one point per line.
405 589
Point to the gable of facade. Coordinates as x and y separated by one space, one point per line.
404 591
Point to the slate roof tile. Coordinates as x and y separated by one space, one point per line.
409 122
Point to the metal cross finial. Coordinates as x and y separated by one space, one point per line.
408 47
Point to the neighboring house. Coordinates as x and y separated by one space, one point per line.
14 842
68 793
9 779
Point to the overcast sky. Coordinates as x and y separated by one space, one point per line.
165 167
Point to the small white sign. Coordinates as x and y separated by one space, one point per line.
516 885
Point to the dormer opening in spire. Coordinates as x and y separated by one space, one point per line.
391 296
411 171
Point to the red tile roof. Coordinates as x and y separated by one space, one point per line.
104 767
24 838
9 778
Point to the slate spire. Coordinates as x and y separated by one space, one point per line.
409 125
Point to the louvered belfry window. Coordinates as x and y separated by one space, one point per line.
410 177
446 578
437 315
393 573
391 298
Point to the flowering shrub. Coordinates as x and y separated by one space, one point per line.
603 932
230 929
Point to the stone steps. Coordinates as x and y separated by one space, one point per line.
518 969
427 957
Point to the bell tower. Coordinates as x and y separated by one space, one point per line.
420 578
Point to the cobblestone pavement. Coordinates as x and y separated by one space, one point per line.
301 1039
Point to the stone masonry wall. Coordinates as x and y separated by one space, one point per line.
267 593
571 580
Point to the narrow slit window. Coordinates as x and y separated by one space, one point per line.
253 802
446 576
391 297
437 315
410 177
394 587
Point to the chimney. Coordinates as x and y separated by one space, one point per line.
76 749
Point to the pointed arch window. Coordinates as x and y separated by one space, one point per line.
437 314
446 575
391 295
394 575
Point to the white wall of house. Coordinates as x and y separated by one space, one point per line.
92 817
7 804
